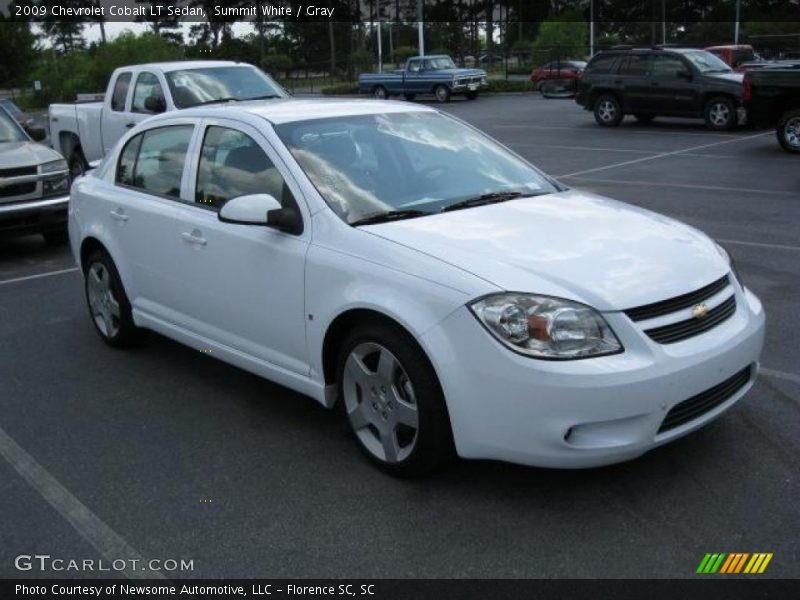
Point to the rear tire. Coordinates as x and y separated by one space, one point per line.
788 131
392 400
410 97
442 93
607 110
109 307
720 114
380 92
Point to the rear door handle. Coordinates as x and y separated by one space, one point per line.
195 237
119 215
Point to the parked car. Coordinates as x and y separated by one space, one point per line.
15 111
570 70
651 82
434 74
734 55
772 99
387 256
34 183
84 132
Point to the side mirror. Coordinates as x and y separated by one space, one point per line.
155 104
683 75
249 210
38 134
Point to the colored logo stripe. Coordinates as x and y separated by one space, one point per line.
734 562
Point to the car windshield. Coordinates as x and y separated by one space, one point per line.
705 62
439 63
413 161
9 130
191 87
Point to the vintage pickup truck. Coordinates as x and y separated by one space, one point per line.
436 74
772 99
84 132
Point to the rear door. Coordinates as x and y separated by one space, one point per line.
632 80
115 117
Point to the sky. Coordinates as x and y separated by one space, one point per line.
113 28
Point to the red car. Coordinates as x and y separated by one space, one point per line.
558 69
734 55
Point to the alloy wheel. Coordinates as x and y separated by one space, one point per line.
380 402
719 114
102 303
607 111
791 132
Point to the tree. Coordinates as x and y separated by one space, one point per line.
18 49
566 38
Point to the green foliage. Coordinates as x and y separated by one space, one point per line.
277 65
340 89
561 39
607 40
17 53
88 71
403 53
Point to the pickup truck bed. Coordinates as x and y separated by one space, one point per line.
772 99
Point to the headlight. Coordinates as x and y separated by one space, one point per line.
727 256
55 185
53 167
546 328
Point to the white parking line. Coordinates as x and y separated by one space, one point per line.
105 540
691 186
38 276
664 155
781 375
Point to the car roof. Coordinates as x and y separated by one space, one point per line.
178 65
432 56
654 50
288 110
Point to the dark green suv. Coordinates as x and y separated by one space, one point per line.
651 82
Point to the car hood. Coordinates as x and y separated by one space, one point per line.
571 244
727 77
462 72
25 154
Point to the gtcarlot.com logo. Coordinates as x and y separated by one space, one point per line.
734 563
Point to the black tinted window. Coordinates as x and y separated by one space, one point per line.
602 64
158 164
120 92
635 64
232 164
127 160
667 66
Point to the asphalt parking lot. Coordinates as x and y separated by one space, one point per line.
165 452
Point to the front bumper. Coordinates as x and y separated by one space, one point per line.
591 412
34 216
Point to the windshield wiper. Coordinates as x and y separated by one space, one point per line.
490 198
265 97
226 99
389 215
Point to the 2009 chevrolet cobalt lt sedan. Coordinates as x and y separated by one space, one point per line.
449 295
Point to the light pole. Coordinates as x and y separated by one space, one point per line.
736 26
591 28
420 28
380 47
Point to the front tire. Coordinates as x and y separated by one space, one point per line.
720 114
788 131
442 93
393 401
607 110
77 164
108 303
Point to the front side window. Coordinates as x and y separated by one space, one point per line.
146 85
667 66
232 164
368 164
120 92
155 163
192 87
439 63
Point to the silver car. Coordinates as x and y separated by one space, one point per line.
34 183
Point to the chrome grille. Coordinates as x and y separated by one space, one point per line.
675 332
665 307
19 171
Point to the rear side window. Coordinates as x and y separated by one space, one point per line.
635 64
120 92
232 164
155 163
602 64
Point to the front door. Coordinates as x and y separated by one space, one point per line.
672 89
243 285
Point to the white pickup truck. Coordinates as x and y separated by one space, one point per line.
84 132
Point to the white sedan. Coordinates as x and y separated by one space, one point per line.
387 256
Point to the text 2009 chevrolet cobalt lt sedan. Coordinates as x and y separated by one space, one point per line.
452 297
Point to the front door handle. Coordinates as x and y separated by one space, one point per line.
195 237
119 215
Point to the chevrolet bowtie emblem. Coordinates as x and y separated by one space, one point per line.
699 311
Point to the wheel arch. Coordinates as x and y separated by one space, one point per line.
89 246
69 142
